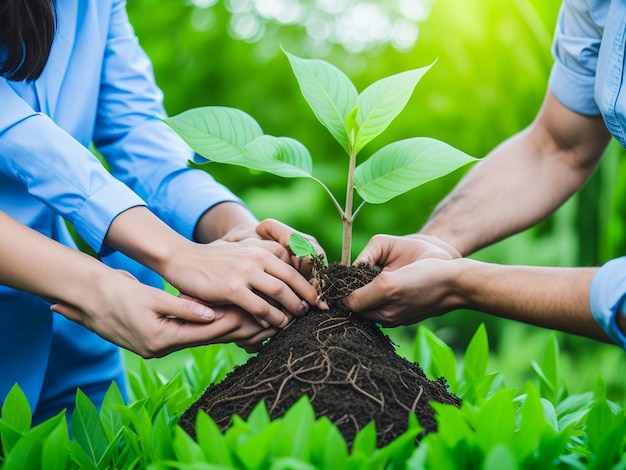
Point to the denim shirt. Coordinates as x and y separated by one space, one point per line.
588 77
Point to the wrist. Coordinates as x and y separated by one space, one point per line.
142 236
220 219
467 283
452 238
456 283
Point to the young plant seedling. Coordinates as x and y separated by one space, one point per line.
228 135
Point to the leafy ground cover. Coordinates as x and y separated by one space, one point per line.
539 425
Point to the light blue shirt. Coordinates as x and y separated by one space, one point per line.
588 77
97 88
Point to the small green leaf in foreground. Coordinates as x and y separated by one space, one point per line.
302 247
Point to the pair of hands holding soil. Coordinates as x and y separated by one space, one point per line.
414 284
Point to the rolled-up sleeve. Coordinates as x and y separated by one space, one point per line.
141 150
608 296
575 50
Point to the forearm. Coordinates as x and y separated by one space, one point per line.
521 181
142 236
34 263
513 188
555 298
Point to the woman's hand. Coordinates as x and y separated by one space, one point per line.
270 229
251 274
153 323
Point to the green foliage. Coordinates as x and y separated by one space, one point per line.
231 136
492 69
353 119
496 427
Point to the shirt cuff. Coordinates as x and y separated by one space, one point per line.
192 192
573 90
95 216
607 296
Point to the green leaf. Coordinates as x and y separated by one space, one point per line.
500 457
476 355
443 359
16 410
290 463
214 132
495 420
331 450
87 428
404 165
365 440
400 449
298 422
27 452
453 424
328 91
476 391
8 438
111 420
259 418
281 156
599 421
229 135
550 369
55 452
533 424
161 442
185 448
211 440
612 446
255 453
382 101
301 246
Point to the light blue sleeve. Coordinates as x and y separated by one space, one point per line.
575 49
58 170
608 296
141 150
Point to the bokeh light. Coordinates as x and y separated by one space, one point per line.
355 25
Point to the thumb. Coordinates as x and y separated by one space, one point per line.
373 253
67 311
364 298
188 309
270 229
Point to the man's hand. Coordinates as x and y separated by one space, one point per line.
413 283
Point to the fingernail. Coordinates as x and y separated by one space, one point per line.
263 323
305 307
204 312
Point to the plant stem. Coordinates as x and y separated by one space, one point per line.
346 245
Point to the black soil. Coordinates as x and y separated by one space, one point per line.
348 368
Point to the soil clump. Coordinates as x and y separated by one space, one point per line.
347 367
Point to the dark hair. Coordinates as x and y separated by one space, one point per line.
27 29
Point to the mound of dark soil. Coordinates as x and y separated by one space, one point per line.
348 368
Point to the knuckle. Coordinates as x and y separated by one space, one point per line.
385 282
230 288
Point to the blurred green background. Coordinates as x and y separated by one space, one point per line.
493 61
